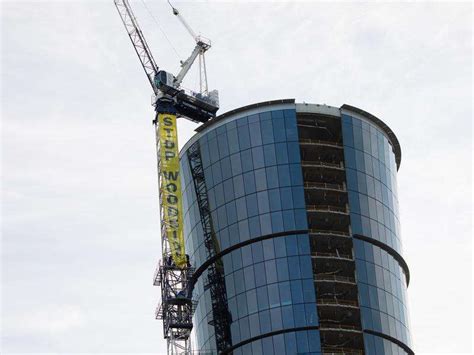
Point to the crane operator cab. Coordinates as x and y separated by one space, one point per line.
195 106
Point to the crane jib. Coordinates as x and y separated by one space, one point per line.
170 186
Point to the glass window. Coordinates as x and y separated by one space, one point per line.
281 153
216 172
242 231
238 186
262 298
285 293
287 315
255 136
314 341
244 137
269 154
252 206
349 154
286 197
280 247
258 158
222 218
272 177
291 245
288 220
249 183
296 175
267 343
254 227
247 161
236 259
271 272
252 301
241 208
296 291
306 267
279 129
213 150
274 199
347 134
242 306
299 315
246 255
298 197
235 331
358 141
257 252
254 328
263 203
351 176
239 282
273 295
277 222
223 145
230 288
267 131
231 212
268 249
294 267
260 278
308 290
235 164
233 140
228 190
293 152
301 220
277 323
265 224
260 179
360 162
282 269
290 125
302 342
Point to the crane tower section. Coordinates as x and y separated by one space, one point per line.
174 272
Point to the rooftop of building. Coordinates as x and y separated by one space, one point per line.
307 108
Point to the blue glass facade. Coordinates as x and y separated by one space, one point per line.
371 172
255 189
255 186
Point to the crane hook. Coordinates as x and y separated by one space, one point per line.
175 10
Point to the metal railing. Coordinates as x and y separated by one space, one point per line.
320 142
327 232
325 185
332 301
336 278
332 255
320 164
327 208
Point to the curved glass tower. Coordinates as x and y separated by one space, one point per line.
291 222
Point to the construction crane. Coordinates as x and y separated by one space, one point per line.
174 273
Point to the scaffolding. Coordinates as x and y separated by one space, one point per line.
221 317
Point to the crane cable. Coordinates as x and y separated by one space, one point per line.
161 29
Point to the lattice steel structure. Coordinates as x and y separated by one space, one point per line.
221 317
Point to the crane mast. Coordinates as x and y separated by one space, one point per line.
174 272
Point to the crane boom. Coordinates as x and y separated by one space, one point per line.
138 40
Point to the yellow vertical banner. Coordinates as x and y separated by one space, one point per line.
172 203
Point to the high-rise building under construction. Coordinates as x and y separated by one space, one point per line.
298 204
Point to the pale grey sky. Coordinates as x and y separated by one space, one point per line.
80 236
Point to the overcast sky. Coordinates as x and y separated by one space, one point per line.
80 228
